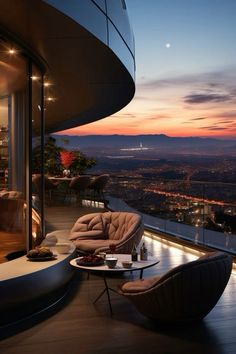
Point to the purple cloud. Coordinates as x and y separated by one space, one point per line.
196 98
214 127
199 118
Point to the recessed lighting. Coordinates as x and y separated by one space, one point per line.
12 51
46 84
34 77
50 99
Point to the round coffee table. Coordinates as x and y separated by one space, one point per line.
104 270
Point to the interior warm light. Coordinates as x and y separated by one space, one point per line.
50 99
46 84
11 51
34 77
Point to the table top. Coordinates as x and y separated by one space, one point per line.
60 178
139 265
68 179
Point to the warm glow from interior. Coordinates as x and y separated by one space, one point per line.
12 51
50 99
34 77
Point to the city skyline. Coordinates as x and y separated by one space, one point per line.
185 78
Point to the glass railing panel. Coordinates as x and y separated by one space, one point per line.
204 213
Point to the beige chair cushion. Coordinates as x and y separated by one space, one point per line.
4 193
89 227
94 232
112 225
120 225
10 194
139 285
92 245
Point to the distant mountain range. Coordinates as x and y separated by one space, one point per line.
157 143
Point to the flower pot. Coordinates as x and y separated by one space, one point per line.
66 173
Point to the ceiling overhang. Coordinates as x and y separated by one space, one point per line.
89 80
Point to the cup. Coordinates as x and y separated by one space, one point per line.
127 264
111 262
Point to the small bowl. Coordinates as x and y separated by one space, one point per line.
111 262
127 264
63 247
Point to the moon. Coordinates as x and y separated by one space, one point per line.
167 45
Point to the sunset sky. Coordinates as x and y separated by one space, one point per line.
186 71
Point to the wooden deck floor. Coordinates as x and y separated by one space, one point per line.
81 327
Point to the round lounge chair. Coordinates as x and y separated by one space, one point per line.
185 293
93 233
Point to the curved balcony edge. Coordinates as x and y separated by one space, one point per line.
27 288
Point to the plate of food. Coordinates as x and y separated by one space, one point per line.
42 259
90 261
40 254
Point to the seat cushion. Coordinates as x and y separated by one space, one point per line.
87 235
139 285
91 245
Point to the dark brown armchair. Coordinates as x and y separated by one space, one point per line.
79 186
49 186
183 294
97 186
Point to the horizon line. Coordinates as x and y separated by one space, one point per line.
156 134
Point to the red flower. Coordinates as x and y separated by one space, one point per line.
67 157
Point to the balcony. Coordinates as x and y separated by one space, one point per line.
76 323
66 322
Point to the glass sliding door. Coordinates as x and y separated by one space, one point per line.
13 115
21 130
